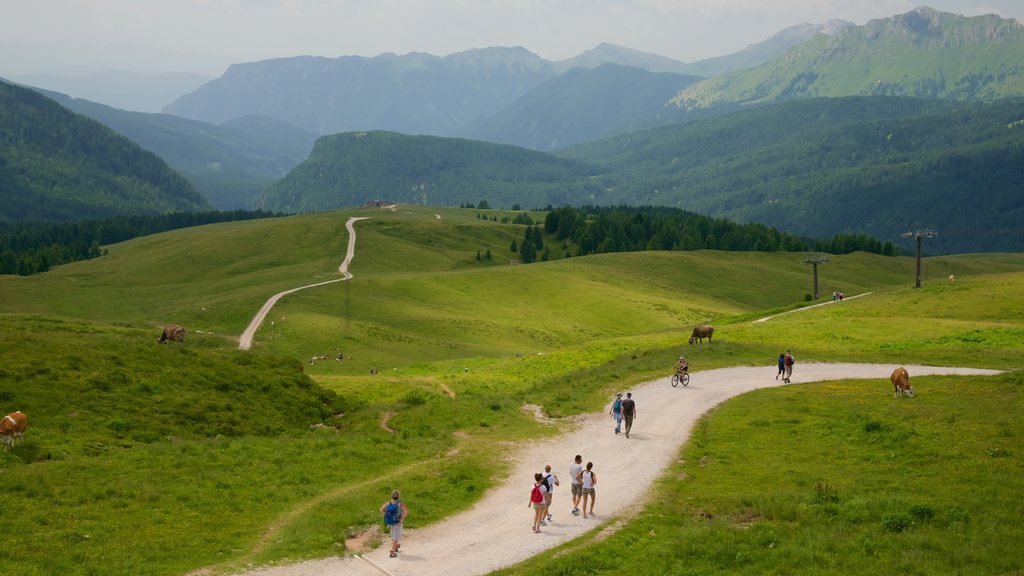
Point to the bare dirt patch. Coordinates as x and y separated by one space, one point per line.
384 421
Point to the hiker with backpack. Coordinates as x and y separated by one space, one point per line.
394 512
616 412
537 500
629 412
550 481
788 361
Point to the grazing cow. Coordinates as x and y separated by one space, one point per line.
701 332
172 332
952 277
12 427
901 383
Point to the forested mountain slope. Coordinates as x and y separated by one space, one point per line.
816 168
353 168
827 166
229 164
581 105
56 165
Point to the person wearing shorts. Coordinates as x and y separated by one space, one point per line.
396 529
588 479
538 507
576 486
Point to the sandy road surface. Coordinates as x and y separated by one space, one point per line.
496 532
245 341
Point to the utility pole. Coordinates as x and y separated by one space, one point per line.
814 263
917 233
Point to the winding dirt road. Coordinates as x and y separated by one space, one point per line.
496 531
245 341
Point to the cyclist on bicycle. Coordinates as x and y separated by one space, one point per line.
682 367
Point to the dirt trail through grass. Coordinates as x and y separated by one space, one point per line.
245 341
496 531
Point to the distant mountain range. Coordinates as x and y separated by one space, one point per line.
923 53
451 95
817 135
132 91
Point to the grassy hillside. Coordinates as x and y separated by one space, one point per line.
923 53
133 447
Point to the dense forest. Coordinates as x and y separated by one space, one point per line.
59 166
30 248
596 229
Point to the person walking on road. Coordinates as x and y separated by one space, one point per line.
616 412
782 366
394 512
576 485
588 480
550 481
788 361
628 411
537 501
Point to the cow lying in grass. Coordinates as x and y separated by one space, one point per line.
901 383
12 427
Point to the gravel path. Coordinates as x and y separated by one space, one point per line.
496 532
245 341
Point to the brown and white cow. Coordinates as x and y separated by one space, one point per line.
12 427
172 332
701 332
901 383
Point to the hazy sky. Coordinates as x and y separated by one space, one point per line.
204 36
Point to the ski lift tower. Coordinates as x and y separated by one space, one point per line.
917 233
814 263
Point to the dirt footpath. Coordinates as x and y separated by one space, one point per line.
496 532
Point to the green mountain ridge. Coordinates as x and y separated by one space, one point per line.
229 164
922 53
816 168
353 168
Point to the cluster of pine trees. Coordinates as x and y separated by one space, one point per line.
597 229
30 248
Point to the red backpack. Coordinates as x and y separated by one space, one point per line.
535 495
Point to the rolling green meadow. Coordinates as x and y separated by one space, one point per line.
152 459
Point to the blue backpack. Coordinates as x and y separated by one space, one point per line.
392 513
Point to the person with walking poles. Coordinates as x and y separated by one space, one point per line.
628 411
394 512
575 485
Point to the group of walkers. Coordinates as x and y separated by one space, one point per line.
582 482
785 366
623 410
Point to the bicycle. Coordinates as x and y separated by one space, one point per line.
678 378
